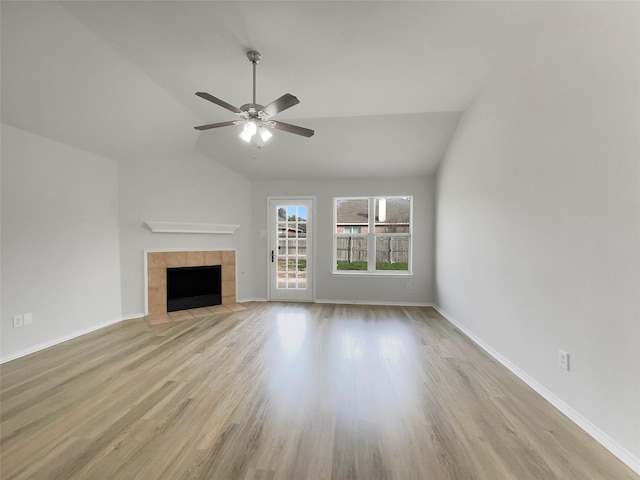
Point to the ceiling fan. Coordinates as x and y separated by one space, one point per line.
257 118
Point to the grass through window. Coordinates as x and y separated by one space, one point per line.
379 266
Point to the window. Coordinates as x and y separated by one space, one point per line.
372 234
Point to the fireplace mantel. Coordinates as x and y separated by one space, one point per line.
182 227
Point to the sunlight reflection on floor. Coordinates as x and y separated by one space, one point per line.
292 330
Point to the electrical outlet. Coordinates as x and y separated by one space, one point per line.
28 318
17 321
563 360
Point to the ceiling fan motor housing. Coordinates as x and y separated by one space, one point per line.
252 108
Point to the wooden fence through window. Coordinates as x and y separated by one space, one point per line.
292 246
388 249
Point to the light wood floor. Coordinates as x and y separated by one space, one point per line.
286 391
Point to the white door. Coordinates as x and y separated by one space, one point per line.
290 249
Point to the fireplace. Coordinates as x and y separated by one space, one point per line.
158 263
193 287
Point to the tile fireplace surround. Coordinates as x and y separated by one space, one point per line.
157 263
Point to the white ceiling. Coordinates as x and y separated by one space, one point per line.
382 83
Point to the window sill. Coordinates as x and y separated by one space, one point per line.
361 273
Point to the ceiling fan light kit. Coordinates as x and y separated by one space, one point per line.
248 131
265 134
255 118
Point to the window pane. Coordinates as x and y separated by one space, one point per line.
302 264
393 215
352 212
351 252
302 213
392 252
282 264
302 246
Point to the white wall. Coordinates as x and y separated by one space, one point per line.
60 251
349 289
538 219
183 187
149 132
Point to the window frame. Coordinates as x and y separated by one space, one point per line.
371 236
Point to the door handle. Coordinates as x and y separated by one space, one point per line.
271 256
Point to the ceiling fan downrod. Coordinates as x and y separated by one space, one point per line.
254 58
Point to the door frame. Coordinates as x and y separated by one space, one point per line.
271 231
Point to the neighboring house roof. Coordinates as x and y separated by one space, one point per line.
354 211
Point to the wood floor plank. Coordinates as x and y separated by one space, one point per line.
281 391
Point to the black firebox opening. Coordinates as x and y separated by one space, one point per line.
193 287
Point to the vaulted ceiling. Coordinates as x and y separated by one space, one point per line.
382 83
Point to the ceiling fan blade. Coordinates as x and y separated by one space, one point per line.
285 101
287 127
217 101
216 125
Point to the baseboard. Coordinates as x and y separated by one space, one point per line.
605 440
351 302
375 302
64 338
252 299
